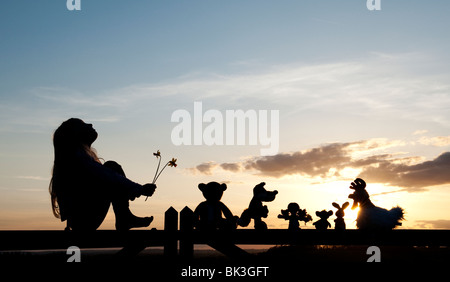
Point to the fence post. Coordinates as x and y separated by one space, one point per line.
186 227
170 228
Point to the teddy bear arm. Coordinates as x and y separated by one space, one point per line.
198 212
226 211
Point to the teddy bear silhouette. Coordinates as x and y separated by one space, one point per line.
322 223
208 214
294 214
256 210
339 223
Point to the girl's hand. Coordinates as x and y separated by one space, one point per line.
148 189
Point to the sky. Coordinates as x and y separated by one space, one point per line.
358 93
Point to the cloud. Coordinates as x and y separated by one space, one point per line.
413 174
233 167
420 132
314 162
354 87
411 177
32 177
206 168
434 224
439 141
366 85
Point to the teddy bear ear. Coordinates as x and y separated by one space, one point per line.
223 186
330 212
336 205
201 186
260 184
318 213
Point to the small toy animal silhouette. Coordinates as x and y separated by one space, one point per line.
294 214
256 210
371 217
208 214
339 223
322 223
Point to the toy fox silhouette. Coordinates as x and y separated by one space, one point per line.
256 210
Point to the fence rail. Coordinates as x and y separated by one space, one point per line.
225 242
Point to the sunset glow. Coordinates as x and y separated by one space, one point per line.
305 96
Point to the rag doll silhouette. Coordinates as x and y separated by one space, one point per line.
294 214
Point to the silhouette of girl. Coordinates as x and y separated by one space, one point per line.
82 188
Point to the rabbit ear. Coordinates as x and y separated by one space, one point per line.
336 205
345 205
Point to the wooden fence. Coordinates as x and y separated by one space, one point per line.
134 241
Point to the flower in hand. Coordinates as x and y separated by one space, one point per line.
172 163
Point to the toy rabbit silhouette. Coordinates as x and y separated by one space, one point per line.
294 214
256 210
371 217
208 214
322 223
339 223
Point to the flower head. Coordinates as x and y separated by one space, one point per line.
173 162
157 154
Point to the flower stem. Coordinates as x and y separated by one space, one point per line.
160 172
154 177
157 176
156 173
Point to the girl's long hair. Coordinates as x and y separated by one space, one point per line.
67 142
